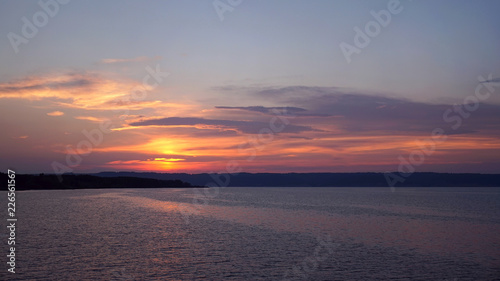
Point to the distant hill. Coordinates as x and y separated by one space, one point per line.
42 181
322 179
166 180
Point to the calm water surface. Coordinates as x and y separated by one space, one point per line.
258 234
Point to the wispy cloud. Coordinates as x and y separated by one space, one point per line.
494 80
90 118
354 111
41 86
287 110
131 60
77 90
332 129
248 127
55 113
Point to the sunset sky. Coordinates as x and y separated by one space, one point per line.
195 86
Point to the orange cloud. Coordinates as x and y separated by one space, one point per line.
55 113
90 118
156 164
78 90
169 136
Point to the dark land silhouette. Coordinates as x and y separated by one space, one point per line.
322 179
183 180
70 181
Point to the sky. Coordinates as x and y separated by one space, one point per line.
254 86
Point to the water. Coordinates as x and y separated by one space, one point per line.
258 234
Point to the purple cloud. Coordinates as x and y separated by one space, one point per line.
248 127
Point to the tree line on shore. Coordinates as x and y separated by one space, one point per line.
71 181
